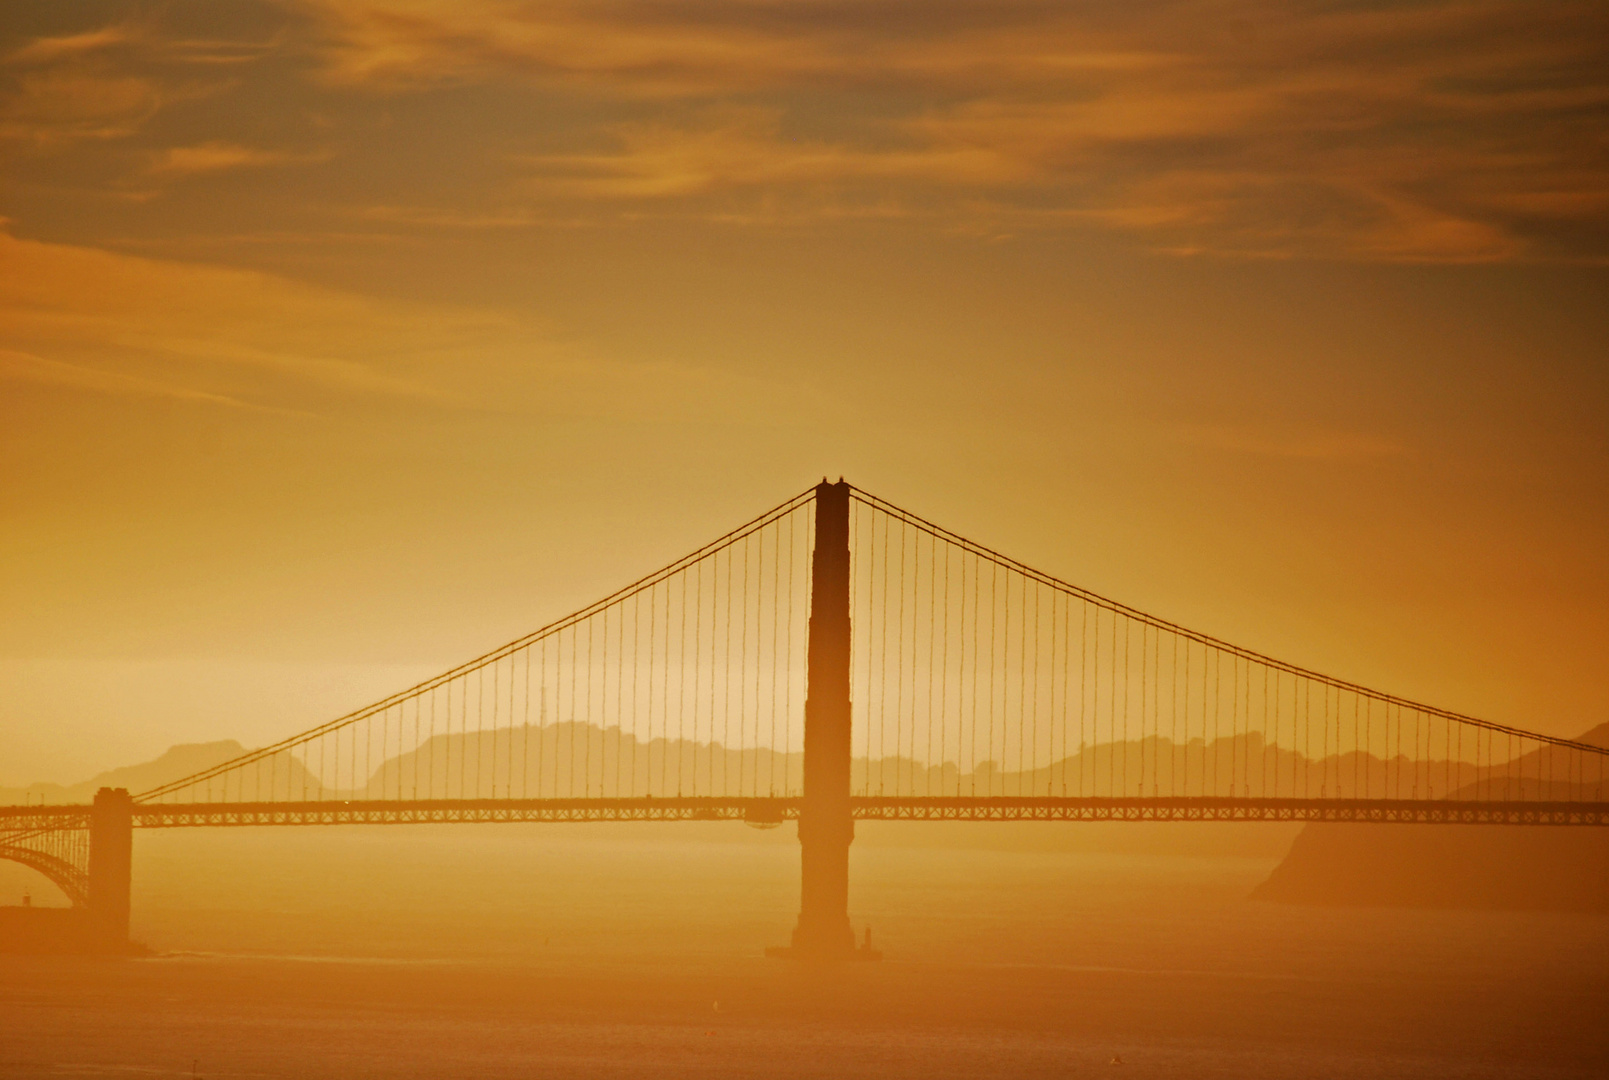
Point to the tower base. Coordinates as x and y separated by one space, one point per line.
833 952
822 956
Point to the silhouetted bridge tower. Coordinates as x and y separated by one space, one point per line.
838 658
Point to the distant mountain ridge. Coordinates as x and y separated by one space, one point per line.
454 759
176 763
570 759
1482 866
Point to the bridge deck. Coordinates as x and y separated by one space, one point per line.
775 810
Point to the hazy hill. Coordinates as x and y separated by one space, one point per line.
177 763
1330 864
572 759
1556 868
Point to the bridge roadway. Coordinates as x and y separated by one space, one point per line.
768 811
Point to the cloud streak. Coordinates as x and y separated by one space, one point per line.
93 322
215 156
18 366
1443 131
1456 131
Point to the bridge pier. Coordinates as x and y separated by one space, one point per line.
111 855
826 827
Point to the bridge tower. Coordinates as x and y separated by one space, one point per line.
825 825
111 854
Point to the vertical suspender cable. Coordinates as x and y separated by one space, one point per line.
932 656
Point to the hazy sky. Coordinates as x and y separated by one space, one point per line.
340 341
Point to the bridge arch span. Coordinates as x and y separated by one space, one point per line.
73 882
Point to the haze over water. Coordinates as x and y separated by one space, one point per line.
512 951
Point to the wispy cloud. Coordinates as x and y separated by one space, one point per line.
107 82
119 324
46 50
19 366
746 149
1453 131
1443 131
111 324
61 106
217 156
455 218
620 49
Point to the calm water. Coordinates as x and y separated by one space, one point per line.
493 952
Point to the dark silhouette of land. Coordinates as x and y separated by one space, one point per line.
1456 866
1444 866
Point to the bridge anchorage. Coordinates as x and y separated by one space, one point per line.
838 658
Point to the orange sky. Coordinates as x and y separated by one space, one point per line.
339 342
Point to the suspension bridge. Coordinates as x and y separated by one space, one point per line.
839 658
